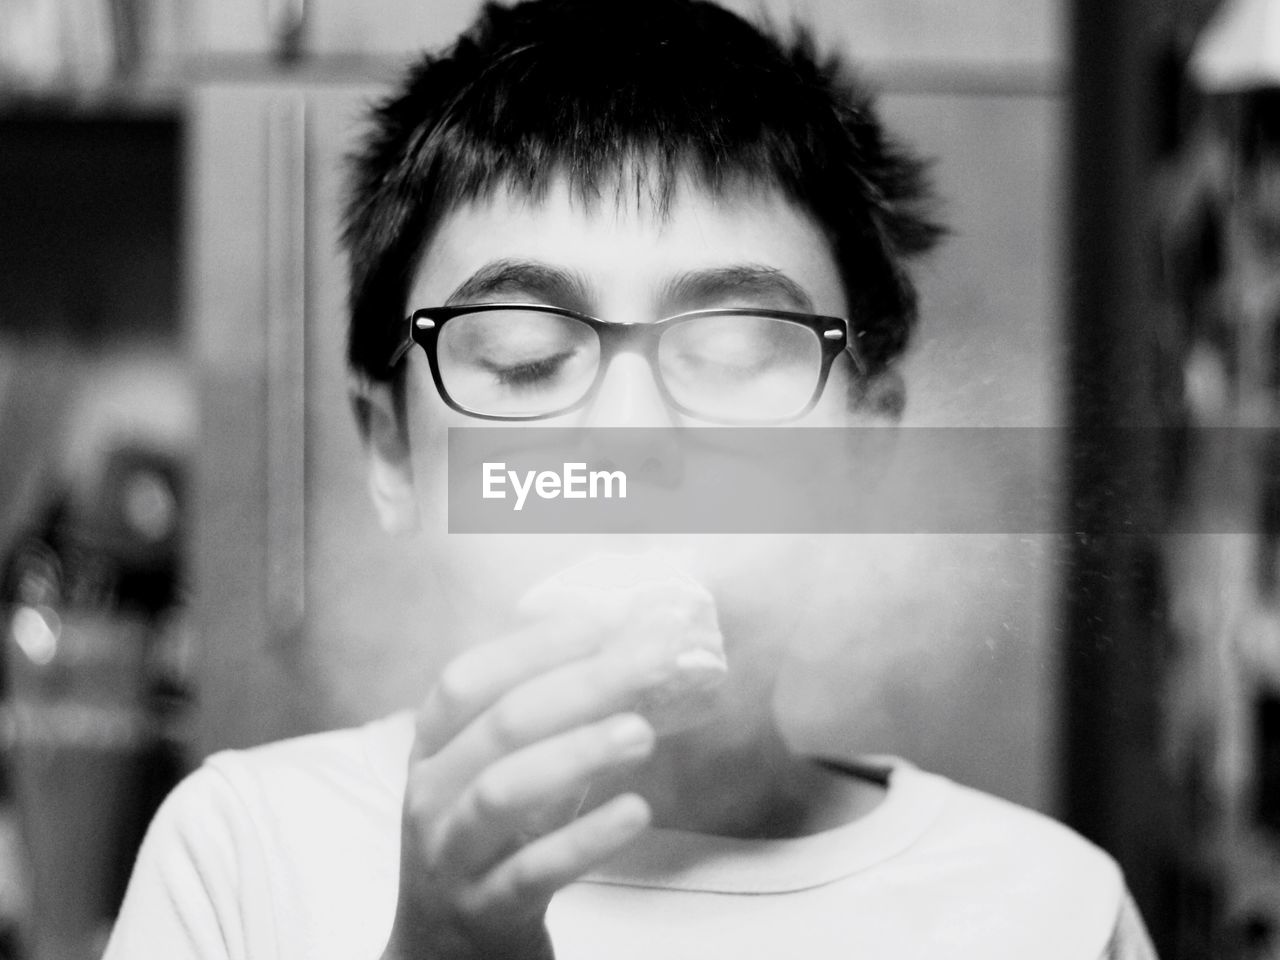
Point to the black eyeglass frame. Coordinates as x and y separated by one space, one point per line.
833 335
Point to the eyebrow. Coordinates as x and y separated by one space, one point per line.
738 284
525 278
734 286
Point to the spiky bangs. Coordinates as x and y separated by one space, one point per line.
628 98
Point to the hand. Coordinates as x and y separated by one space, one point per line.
507 743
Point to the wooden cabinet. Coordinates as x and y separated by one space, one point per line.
286 550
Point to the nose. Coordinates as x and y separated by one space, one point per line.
629 397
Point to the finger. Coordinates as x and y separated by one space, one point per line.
481 674
534 874
576 694
535 790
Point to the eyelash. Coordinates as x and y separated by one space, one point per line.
525 373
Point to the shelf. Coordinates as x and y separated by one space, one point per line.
162 96
143 98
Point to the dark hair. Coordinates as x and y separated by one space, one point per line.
631 95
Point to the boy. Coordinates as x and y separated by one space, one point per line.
615 215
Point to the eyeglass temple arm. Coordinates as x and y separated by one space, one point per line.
407 343
400 352
851 348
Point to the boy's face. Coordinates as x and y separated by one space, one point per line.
622 263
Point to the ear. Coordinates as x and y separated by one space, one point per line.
381 422
884 396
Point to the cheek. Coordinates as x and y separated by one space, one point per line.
428 423
764 585
837 407
430 420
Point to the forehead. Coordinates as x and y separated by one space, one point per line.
625 248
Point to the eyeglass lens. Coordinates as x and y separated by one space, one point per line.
528 363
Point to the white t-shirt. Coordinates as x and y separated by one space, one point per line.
292 851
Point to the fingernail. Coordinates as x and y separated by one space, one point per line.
631 734
700 661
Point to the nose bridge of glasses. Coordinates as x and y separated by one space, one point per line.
640 338
626 349
629 391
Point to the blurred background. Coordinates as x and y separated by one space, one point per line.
188 561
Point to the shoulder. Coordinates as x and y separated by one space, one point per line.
281 791
982 851
970 820
280 844
334 766
338 792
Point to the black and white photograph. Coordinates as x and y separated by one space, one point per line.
639 479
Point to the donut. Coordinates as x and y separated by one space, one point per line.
644 598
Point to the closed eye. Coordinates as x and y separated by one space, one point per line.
530 371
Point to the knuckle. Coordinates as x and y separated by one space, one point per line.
421 806
491 798
470 905
419 798
433 847
420 847
417 806
522 882
507 726
454 688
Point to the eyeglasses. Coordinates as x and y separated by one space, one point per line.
516 361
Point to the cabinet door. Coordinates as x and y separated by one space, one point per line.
246 162
285 544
